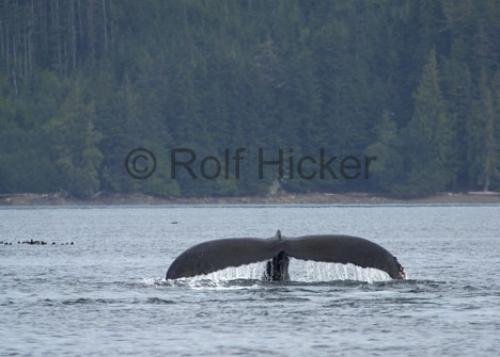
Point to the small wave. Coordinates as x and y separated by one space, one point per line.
201 281
88 301
204 282
7 302
285 298
416 285
152 282
107 301
159 301
219 281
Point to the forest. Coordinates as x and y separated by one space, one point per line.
413 83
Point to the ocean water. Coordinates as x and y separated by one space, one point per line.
106 294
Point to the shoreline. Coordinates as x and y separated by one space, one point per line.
56 199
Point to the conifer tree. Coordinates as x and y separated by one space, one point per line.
429 135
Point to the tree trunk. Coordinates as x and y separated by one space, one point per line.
105 25
73 34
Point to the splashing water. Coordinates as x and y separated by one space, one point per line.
241 277
306 271
311 271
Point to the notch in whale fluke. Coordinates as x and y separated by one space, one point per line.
207 257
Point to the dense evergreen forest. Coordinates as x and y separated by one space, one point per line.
414 83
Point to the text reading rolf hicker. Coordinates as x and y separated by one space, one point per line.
233 163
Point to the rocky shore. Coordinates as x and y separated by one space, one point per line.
28 199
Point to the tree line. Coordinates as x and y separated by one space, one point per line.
414 83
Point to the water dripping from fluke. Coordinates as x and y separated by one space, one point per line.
301 273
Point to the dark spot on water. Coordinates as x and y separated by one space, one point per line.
7 302
286 298
88 301
159 301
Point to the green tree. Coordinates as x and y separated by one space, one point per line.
489 158
429 135
75 150
388 167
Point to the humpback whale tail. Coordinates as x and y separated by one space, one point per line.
218 254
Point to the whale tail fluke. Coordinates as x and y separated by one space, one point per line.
345 249
211 256
218 254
